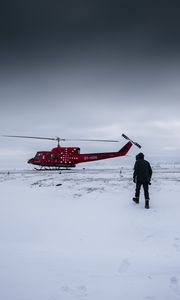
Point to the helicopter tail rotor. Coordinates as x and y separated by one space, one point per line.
127 138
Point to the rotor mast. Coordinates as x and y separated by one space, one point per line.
58 140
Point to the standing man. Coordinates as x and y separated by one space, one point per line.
142 176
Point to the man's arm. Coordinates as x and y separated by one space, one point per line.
150 171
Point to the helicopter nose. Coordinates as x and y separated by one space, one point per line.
30 161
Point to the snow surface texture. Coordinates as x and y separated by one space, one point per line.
79 235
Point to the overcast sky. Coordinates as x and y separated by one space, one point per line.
90 69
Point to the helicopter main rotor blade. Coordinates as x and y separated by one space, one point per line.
59 139
87 140
31 137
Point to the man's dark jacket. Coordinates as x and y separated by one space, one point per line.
142 171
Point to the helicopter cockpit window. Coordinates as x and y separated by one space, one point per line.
38 155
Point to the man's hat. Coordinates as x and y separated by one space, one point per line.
140 156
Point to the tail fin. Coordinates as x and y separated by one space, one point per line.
124 150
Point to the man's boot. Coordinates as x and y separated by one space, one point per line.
136 200
147 203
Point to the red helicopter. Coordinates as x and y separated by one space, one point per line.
68 157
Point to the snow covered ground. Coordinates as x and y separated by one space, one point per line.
78 235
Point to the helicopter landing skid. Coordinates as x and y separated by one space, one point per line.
51 169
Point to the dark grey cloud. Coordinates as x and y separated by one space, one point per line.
64 22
